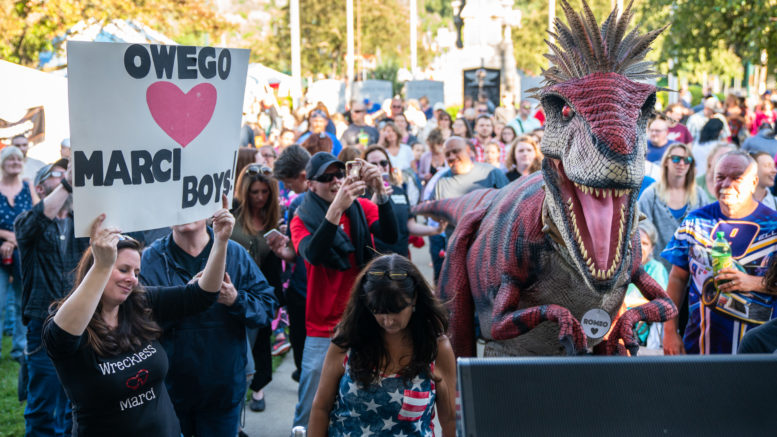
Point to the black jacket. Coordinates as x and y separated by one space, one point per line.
47 271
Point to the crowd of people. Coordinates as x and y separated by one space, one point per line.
175 325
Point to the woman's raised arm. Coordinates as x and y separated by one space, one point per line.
76 312
223 222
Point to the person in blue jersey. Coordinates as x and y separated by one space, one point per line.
717 321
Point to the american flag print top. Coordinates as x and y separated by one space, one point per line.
387 407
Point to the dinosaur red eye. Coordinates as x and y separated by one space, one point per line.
567 112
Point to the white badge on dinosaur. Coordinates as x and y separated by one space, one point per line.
596 323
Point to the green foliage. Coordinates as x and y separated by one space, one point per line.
529 40
387 70
714 35
27 27
11 411
380 27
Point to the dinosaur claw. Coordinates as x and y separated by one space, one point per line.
569 344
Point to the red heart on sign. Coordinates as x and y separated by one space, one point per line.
181 115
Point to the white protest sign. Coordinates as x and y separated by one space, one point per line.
154 131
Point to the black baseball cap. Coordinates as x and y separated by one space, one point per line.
319 163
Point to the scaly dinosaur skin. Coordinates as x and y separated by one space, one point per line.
532 258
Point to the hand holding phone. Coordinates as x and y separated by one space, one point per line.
353 169
272 235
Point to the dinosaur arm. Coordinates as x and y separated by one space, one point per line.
510 322
659 309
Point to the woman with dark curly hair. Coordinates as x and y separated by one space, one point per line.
103 338
389 363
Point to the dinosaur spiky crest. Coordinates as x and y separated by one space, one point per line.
582 47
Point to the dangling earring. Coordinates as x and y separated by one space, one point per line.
413 308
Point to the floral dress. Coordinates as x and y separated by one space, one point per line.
388 407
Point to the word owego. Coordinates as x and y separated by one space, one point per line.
191 64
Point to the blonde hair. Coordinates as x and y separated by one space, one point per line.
662 185
510 158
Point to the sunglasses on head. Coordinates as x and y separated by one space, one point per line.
124 237
394 276
678 159
329 177
258 169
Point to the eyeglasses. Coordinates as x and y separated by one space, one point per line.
258 169
269 155
382 163
394 276
357 110
678 159
329 177
396 106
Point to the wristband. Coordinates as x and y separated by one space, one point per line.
66 185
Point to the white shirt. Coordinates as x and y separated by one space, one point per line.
403 159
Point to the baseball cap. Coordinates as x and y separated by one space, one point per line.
65 143
46 171
439 106
319 163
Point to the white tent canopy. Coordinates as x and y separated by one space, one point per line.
23 88
259 73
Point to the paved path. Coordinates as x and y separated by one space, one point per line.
281 394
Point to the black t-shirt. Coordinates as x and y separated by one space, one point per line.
123 395
761 340
402 212
190 263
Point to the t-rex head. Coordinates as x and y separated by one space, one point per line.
594 142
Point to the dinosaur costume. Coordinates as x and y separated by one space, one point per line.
532 258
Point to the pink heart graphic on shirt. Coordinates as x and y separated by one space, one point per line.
137 381
181 115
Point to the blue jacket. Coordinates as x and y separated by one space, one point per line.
207 351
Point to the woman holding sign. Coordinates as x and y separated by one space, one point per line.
256 224
103 337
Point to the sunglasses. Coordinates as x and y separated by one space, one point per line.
357 110
394 276
258 169
329 177
382 163
678 159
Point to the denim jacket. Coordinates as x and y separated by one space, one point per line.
207 351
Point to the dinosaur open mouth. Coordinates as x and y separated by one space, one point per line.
598 218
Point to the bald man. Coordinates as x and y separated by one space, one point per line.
717 322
